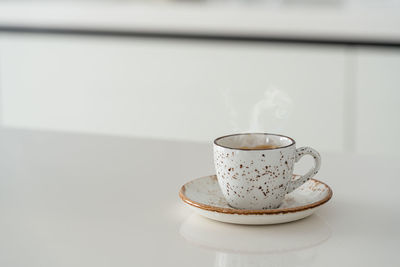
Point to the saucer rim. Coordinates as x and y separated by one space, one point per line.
252 212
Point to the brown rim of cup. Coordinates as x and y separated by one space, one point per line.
229 135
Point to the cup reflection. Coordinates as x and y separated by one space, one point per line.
290 244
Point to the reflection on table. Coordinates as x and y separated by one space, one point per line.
271 245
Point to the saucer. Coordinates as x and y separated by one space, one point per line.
204 196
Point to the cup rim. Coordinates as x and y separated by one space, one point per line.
236 134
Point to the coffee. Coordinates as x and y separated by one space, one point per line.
260 147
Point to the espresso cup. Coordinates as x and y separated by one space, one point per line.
255 170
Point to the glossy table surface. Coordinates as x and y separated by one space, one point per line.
89 200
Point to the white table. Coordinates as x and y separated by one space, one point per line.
87 200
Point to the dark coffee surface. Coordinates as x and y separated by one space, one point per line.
260 147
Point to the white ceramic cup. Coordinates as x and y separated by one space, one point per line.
252 178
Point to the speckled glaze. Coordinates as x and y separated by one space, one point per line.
204 196
259 179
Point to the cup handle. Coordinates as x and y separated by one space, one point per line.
300 152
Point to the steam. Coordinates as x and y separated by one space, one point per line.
270 113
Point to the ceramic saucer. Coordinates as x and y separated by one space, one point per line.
204 196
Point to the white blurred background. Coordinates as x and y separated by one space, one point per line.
325 72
